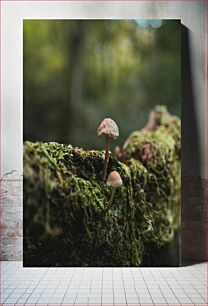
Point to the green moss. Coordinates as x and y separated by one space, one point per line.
66 222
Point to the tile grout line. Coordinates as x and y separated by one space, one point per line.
183 288
123 284
69 285
147 287
102 288
169 288
135 286
37 284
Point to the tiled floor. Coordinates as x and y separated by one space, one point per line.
96 286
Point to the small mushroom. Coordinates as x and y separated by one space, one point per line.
109 128
114 180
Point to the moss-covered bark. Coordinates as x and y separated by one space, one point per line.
65 218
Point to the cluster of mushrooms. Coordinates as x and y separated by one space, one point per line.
109 129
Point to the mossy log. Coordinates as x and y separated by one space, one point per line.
66 217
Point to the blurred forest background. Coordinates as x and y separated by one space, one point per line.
77 72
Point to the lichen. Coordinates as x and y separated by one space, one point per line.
64 192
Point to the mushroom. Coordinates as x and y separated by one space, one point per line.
109 128
114 180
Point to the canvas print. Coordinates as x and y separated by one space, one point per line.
102 143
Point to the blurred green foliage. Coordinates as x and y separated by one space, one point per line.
77 72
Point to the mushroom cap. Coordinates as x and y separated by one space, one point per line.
114 179
108 127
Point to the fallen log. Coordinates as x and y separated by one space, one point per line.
67 221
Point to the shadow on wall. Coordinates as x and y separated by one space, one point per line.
193 231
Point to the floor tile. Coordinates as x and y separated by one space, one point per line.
119 286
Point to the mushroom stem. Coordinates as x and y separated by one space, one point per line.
107 147
112 196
